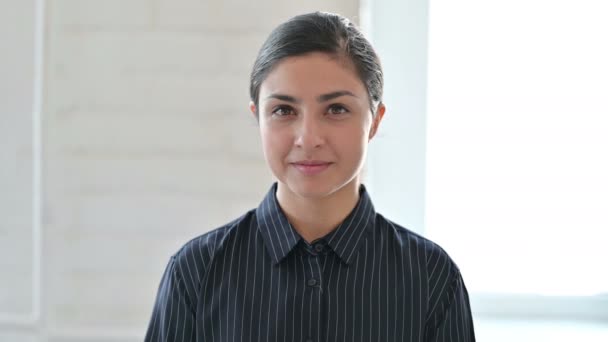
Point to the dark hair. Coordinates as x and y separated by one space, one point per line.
319 32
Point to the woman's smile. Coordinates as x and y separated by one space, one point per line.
311 167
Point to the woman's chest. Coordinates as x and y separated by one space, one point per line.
312 298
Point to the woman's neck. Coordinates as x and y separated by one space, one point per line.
314 218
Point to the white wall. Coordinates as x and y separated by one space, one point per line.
397 157
18 160
147 142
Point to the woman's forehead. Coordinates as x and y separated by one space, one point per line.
315 73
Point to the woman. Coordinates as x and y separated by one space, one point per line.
314 262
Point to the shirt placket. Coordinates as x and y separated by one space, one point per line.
314 291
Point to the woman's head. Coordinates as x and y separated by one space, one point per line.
316 91
320 32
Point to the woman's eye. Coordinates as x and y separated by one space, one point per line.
282 111
337 109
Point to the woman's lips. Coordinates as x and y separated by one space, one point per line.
311 168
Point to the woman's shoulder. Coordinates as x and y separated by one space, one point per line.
420 247
430 261
200 250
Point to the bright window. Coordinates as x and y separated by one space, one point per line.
517 143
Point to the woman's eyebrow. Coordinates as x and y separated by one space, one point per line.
320 98
282 97
333 95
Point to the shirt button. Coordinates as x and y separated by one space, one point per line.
312 282
319 248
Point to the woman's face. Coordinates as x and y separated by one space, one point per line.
315 123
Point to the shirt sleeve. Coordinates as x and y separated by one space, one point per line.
452 321
173 316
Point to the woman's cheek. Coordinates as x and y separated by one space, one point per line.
278 144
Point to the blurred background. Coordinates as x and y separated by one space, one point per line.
124 132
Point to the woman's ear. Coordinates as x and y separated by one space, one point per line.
376 120
253 109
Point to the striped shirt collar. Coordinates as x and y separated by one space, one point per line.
280 237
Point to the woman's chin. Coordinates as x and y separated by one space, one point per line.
306 188
313 188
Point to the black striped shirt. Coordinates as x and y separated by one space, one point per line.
256 279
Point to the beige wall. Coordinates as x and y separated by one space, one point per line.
147 142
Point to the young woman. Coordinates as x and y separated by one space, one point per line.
315 261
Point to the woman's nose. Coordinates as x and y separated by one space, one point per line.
309 132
